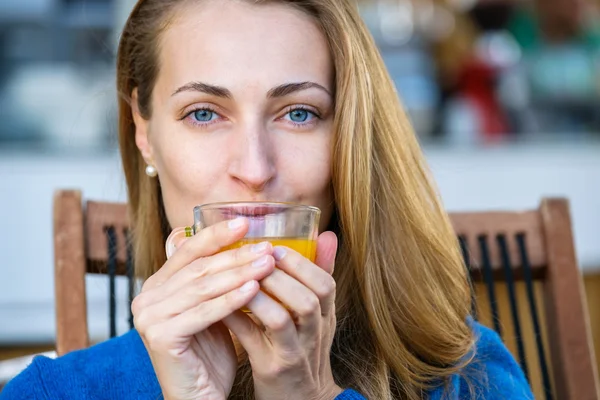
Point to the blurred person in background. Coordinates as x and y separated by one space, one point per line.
470 111
560 41
556 22
279 101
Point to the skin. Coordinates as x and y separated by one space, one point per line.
242 110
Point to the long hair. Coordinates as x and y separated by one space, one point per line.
403 296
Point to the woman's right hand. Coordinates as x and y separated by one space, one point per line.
179 310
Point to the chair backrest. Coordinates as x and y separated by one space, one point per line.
529 289
526 282
90 238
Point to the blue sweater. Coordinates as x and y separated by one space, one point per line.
120 369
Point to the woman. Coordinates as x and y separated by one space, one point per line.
283 101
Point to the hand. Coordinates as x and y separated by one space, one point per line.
290 356
178 311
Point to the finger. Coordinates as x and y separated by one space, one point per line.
327 244
172 333
205 243
209 266
198 291
248 334
300 301
278 324
319 281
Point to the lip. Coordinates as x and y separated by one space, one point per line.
256 209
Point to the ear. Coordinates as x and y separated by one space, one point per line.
141 129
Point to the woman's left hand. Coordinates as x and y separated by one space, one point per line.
290 355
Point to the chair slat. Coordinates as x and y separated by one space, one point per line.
489 282
533 310
512 296
112 246
464 247
130 276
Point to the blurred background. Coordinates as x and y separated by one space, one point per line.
504 96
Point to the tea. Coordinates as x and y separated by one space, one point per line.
306 247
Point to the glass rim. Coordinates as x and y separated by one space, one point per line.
267 204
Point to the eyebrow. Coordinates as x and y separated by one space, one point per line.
289 88
278 91
204 88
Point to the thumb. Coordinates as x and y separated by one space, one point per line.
327 244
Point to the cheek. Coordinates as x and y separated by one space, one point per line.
309 170
188 172
191 170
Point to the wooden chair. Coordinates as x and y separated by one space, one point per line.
527 285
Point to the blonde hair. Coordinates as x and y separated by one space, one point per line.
403 295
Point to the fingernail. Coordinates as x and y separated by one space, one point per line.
260 262
235 224
279 253
260 247
247 287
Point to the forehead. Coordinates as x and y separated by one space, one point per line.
236 43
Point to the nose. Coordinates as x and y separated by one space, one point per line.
253 165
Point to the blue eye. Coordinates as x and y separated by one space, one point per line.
204 115
300 116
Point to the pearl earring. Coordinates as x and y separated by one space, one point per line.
151 171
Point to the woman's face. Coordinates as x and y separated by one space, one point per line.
242 109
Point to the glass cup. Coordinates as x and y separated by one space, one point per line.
283 224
